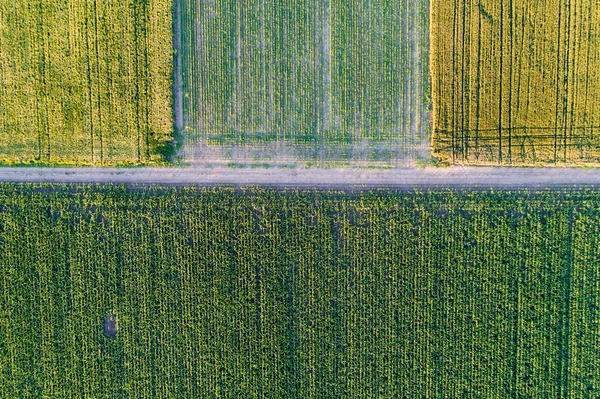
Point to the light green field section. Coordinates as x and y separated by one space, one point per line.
85 82
320 80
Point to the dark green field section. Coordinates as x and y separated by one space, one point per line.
286 294
324 80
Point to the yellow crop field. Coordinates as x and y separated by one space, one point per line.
85 81
516 81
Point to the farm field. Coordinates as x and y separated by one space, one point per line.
516 82
309 80
85 82
260 293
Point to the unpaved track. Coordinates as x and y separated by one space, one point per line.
465 177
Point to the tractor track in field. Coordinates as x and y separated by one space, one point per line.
319 178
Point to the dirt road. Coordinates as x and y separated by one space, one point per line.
467 177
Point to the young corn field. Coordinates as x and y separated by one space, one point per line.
516 82
259 293
85 81
322 80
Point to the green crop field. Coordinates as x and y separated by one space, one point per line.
85 81
516 81
309 79
259 293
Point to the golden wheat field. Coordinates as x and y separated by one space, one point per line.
85 82
516 81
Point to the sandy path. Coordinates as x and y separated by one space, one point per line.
467 177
